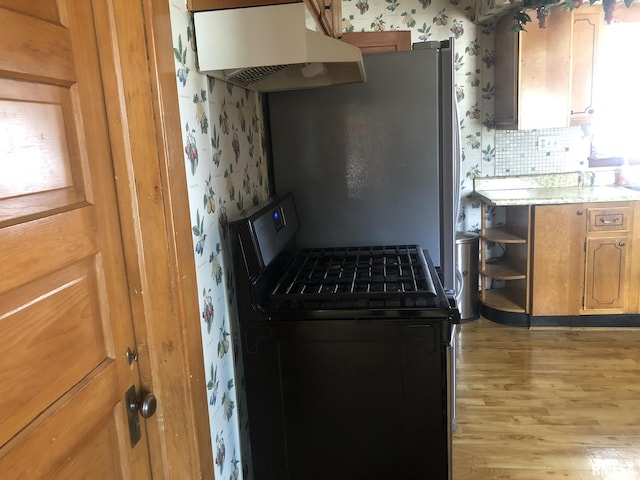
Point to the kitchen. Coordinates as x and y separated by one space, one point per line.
475 92
219 120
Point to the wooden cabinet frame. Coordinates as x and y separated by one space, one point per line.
327 15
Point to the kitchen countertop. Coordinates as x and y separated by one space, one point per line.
549 190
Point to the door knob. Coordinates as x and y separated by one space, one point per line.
147 406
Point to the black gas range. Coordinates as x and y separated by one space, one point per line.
344 356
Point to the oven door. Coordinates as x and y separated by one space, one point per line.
357 398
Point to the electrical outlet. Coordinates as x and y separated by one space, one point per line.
549 143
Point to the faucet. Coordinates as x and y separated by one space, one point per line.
591 176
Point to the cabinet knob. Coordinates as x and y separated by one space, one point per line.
590 111
579 212
621 244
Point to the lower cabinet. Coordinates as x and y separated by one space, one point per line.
607 263
558 264
558 259
582 262
605 272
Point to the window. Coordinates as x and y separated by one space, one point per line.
616 127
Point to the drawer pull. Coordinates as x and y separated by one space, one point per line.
609 222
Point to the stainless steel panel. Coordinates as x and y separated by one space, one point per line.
363 160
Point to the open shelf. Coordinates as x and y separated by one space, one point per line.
503 299
510 267
502 235
501 270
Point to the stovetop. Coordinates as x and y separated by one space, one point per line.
277 280
371 277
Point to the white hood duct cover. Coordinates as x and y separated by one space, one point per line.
270 48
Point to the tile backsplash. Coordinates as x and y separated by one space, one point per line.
517 151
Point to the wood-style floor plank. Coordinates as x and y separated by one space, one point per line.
547 403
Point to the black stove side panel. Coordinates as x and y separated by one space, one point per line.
261 431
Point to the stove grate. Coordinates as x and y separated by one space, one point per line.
357 277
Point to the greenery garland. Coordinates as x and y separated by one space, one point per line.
543 7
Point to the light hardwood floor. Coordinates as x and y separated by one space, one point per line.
547 403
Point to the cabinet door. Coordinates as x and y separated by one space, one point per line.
545 72
379 42
605 273
558 259
584 52
533 73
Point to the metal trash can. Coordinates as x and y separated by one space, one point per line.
467 244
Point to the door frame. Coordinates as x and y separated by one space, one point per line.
136 57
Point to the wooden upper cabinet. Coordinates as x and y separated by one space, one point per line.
327 15
378 42
201 5
584 54
533 73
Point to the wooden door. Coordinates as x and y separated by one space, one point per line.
65 320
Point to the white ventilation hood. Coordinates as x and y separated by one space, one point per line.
270 48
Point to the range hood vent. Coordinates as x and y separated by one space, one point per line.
253 75
270 48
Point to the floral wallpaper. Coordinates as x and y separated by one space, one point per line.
226 170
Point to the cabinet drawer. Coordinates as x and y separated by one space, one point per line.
605 219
